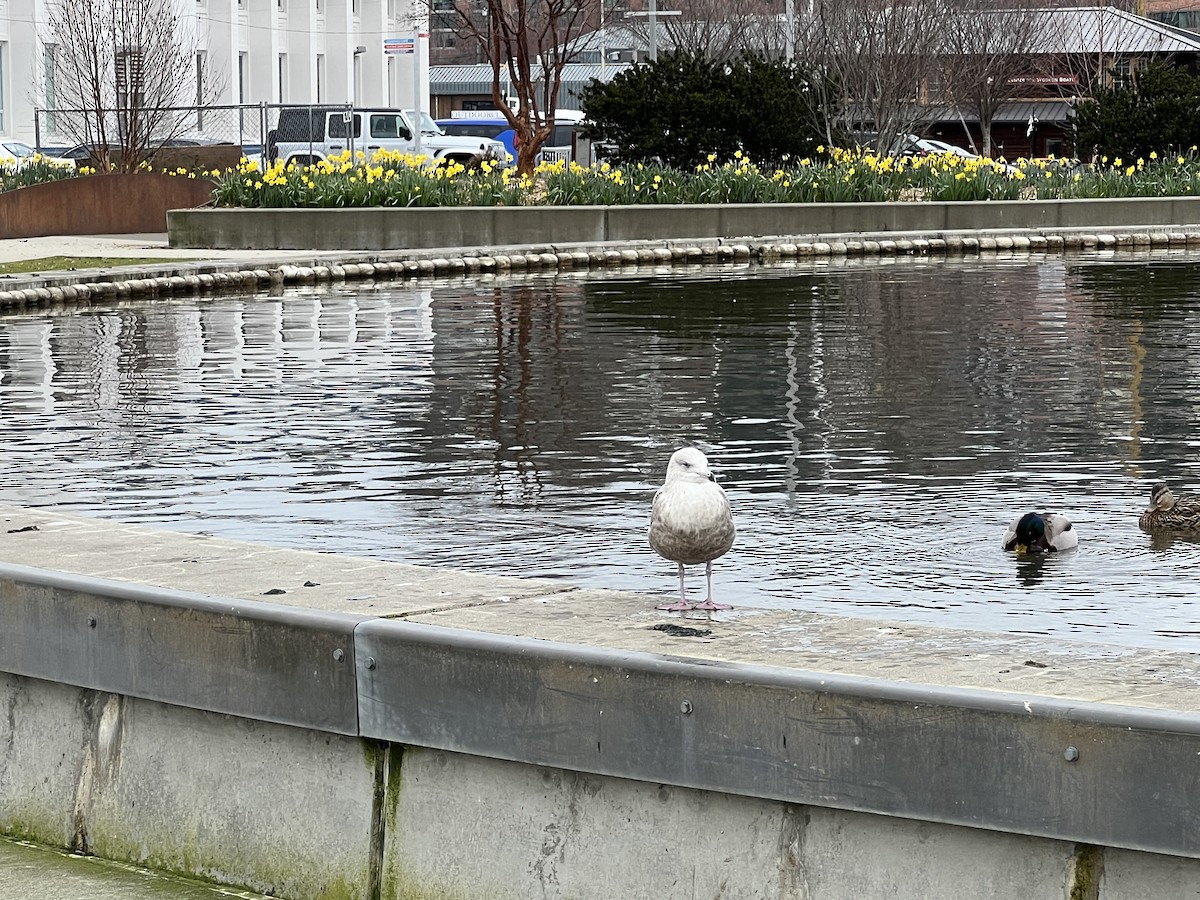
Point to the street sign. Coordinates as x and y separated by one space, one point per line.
394 46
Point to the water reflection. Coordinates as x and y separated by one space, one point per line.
876 425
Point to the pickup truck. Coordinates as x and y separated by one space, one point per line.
306 134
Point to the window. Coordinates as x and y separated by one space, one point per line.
320 77
387 126
391 81
338 125
282 77
200 87
3 85
242 67
129 79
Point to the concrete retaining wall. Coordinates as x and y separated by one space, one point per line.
313 752
387 228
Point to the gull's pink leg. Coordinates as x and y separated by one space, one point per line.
708 604
680 605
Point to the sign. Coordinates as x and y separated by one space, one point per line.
1044 79
395 46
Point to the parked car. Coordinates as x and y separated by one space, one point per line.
307 134
497 129
560 145
16 155
911 145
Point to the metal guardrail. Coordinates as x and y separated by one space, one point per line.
1053 768
257 660
1088 772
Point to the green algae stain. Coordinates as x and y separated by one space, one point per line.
401 885
395 771
1087 871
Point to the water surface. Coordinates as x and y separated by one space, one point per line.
875 424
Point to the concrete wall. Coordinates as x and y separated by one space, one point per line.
300 813
388 229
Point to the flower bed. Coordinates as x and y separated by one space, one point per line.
836 176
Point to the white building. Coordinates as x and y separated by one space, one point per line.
253 51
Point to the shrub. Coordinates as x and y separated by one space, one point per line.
1158 111
682 108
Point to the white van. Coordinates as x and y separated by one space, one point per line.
306 134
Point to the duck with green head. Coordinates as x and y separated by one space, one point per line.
1041 533
1167 512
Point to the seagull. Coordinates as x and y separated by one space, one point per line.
690 522
1041 532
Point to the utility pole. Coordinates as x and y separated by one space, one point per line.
789 22
653 15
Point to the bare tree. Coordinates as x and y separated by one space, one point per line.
883 55
528 43
988 58
122 70
718 30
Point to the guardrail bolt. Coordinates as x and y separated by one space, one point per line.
339 654
91 621
686 707
1071 754
370 662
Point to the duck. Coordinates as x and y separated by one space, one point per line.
1037 532
1167 512
691 523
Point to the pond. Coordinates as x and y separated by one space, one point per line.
876 424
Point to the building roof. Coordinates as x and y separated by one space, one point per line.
477 78
1065 31
1016 113
1090 30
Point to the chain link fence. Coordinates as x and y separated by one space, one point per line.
80 133
191 135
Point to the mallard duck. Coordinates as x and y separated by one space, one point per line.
1041 532
1170 513
690 522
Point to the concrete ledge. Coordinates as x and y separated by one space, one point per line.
387 228
491 752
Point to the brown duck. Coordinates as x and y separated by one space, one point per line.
1167 512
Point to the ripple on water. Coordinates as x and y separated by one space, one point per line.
876 427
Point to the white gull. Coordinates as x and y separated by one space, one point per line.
690 522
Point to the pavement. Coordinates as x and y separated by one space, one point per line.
30 872
141 246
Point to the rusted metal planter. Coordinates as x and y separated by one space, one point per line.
99 204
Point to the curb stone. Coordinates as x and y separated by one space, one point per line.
214 277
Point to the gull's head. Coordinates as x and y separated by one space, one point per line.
689 463
1161 497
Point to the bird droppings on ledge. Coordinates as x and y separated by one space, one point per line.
681 630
